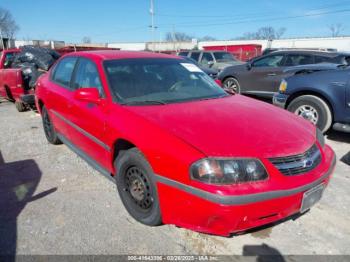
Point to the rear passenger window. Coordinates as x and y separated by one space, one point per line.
87 75
206 58
64 70
195 56
322 59
295 60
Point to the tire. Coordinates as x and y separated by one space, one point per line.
49 128
20 106
314 109
137 187
232 84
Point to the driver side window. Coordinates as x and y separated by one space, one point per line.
270 61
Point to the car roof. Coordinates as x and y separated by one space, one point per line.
308 52
116 54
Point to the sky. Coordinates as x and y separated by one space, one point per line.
129 20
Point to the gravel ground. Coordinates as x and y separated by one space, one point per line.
52 202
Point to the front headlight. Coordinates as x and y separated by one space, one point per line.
228 171
320 137
283 86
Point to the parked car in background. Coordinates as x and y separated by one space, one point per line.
262 76
241 52
182 150
213 73
12 84
322 97
217 60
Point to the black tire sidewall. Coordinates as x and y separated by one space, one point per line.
20 106
320 108
126 159
52 138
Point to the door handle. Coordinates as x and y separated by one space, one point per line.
272 74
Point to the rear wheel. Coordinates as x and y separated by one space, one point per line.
137 187
232 84
21 107
313 109
49 129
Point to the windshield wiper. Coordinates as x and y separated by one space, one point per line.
144 102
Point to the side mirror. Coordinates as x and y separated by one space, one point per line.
249 65
90 94
210 63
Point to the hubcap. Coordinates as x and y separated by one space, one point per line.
308 112
138 187
231 84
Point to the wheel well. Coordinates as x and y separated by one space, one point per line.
224 79
120 145
304 93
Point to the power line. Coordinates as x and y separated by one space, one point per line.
247 14
233 22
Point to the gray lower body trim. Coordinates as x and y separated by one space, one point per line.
82 131
243 199
85 157
265 94
342 127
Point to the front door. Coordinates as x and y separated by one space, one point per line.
88 119
264 76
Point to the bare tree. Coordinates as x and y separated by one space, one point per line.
178 37
336 29
264 33
8 24
207 38
86 40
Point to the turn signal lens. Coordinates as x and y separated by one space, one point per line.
283 86
228 171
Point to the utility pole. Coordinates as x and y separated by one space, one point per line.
152 23
2 39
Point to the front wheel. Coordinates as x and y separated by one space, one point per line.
232 84
21 107
137 187
313 109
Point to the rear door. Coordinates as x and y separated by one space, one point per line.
265 75
59 93
88 119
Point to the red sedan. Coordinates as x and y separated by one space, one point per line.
183 151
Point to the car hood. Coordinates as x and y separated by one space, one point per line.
234 126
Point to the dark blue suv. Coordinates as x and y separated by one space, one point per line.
320 96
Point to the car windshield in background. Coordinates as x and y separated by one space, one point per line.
224 57
159 81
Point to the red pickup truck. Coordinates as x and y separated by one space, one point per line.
11 82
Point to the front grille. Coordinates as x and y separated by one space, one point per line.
298 164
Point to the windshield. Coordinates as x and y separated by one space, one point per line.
159 81
224 57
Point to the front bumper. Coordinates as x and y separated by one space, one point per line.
206 212
280 100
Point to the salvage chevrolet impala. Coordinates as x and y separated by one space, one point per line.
181 150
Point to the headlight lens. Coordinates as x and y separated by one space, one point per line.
228 171
320 137
283 86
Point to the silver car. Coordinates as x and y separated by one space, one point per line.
217 60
